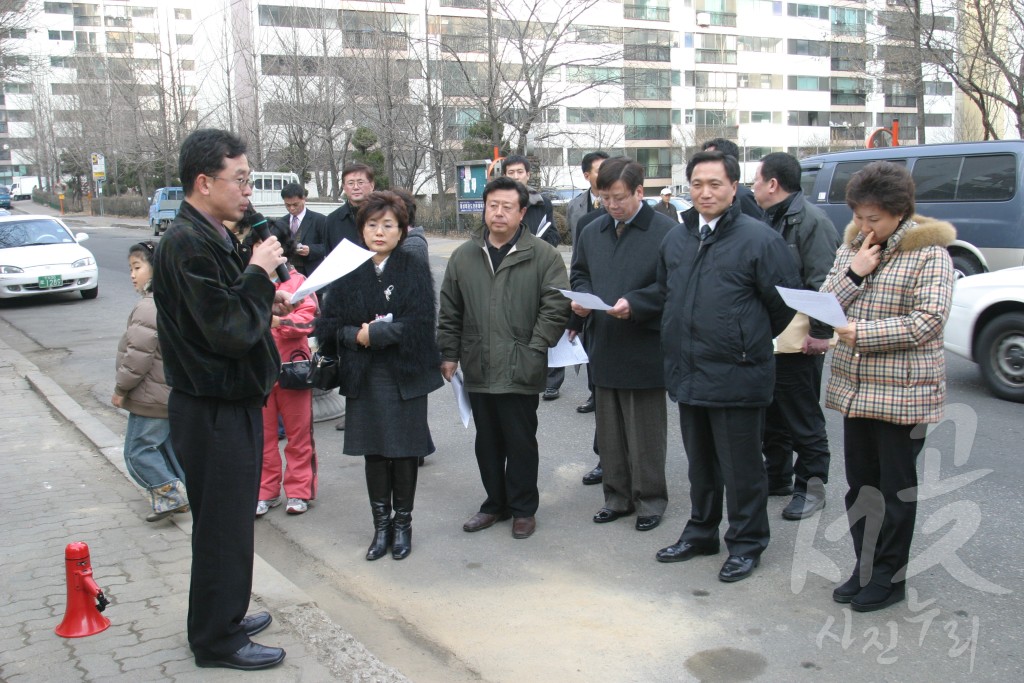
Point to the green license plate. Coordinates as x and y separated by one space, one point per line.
50 281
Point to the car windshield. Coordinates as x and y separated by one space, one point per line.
31 232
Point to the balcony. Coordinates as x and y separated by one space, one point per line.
649 132
706 132
657 171
844 133
647 53
645 13
718 18
704 56
849 99
464 43
716 95
648 92
465 4
376 40
901 100
842 28
841 64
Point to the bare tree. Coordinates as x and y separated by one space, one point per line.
984 57
15 19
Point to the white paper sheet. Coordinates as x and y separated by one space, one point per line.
823 306
585 299
567 353
342 260
462 398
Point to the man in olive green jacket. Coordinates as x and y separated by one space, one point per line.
499 315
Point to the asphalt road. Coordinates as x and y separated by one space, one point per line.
581 602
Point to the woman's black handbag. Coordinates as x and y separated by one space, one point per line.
324 372
295 373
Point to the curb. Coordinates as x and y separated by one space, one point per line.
333 647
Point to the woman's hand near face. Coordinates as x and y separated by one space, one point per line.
867 257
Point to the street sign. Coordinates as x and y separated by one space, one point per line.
99 166
471 205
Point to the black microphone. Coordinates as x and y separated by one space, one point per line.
258 224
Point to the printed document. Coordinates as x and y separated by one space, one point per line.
345 258
823 306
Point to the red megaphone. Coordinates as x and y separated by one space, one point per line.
85 599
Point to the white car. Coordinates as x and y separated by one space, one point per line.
986 325
39 255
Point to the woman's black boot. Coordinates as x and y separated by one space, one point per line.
405 471
378 484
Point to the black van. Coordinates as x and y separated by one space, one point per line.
976 186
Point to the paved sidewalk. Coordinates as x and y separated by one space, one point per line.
62 481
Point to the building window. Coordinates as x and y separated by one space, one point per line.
808 118
758 44
18 88
183 38
648 124
602 115
807 11
811 48
808 83
188 64
61 35
183 14
647 10
57 7
944 89
144 12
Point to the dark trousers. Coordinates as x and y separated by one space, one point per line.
794 422
881 462
632 427
555 378
220 446
723 446
506 451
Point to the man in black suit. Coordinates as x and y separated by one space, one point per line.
307 229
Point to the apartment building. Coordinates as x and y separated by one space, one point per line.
648 78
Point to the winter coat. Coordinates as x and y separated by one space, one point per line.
339 225
812 241
213 314
292 334
499 324
539 210
624 354
140 366
407 344
896 371
722 310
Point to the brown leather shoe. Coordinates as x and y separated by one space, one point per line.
523 527
481 521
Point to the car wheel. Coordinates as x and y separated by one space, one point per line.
964 265
1000 355
156 229
91 293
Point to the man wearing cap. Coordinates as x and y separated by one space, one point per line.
665 207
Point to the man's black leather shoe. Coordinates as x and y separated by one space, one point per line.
587 407
683 551
647 522
803 505
847 591
873 596
249 657
254 623
737 568
594 476
605 515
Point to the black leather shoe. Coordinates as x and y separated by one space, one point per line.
847 591
604 515
550 394
782 490
873 596
254 623
683 551
803 505
249 657
587 407
594 476
737 568
647 522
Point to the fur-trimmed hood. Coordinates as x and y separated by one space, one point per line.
917 233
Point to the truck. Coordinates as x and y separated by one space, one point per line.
22 187
164 207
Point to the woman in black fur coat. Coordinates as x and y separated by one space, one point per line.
380 320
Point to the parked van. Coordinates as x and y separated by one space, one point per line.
976 186
164 208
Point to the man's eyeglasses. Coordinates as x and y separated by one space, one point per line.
241 182
355 183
